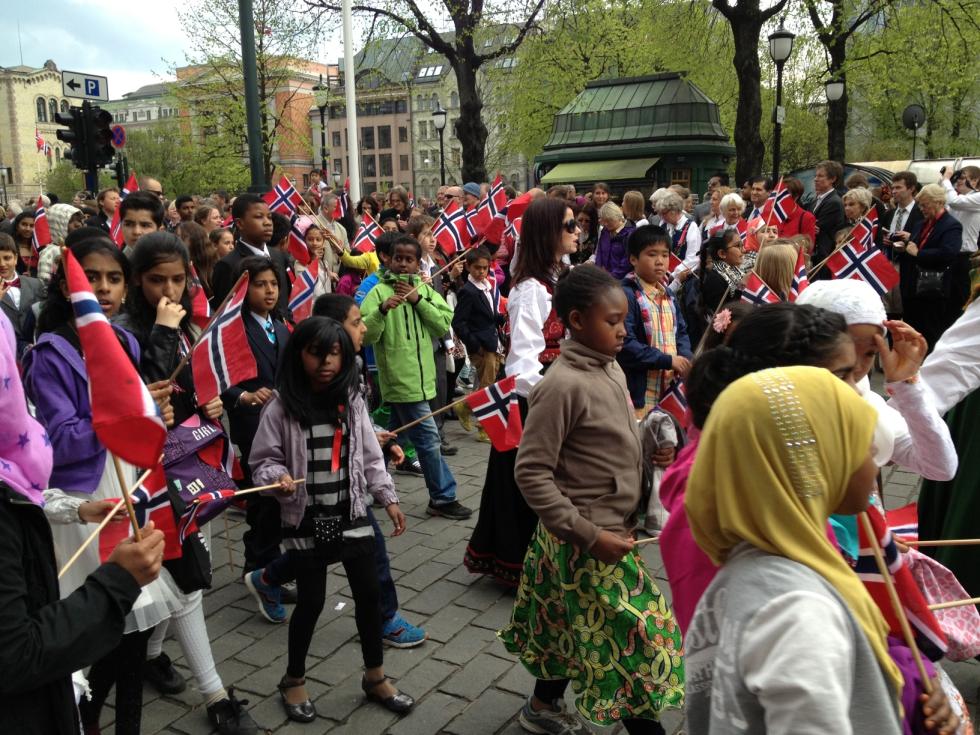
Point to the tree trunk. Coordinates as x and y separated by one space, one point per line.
749 148
470 130
837 110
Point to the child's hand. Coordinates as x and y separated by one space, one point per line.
909 349
287 486
610 548
214 408
940 717
258 398
160 392
169 313
680 365
456 271
427 279
397 518
393 302
664 457
143 558
94 511
407 292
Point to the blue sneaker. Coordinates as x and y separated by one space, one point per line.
399 633
268 597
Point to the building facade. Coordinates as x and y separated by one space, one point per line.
147 105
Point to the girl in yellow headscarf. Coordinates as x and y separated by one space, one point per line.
786 638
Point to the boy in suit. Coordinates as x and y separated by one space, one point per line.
476 322
17 294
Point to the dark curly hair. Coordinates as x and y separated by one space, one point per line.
775 335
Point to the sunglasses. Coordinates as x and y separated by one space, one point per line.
570 226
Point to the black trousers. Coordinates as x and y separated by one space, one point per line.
264 534
123 668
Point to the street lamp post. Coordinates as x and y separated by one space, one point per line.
780 48
321 93
835 89
439 118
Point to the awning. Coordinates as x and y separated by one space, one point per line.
621 169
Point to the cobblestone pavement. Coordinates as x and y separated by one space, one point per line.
463 679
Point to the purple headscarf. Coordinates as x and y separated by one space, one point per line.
25 451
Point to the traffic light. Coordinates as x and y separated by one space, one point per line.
75 135
100 140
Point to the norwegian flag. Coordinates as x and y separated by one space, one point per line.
188 519
115 230
367 235
130 186
496 408
498 225
42 232
124 416
283 198
780 204
512 235
495 293
755 291
151 502
862 234
516 206
904 522
492 205
800 280
928 635
42 145
870 265
674 401
741 227
872 218
200 307
222 357
301 293
297 243
451 231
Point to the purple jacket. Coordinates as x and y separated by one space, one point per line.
611 253
279 448
56 383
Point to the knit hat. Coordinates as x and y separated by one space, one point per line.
853 299
471 187
58 216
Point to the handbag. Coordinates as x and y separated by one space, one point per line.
192 571
930 284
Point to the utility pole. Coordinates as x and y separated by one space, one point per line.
353 150
256 161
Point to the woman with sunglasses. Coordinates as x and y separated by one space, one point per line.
549 233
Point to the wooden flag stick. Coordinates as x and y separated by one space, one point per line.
445 408
231 559
955 603
127 499
186 358
200 501
724 296
941 542
903 620
846 239
651 540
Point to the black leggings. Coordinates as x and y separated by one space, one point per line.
311 592
548 690
122 667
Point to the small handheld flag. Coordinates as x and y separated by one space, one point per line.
42 231
870 265
130 186
780 204
297 243
497 410
367 235
301 293
800 280
115 229
200 307
451 231
674 401
755 291
283 198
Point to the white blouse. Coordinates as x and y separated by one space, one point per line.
528 306
952 371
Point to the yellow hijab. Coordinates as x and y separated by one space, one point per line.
773 463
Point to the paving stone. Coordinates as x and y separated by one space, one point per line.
424 576
482 594
518 680
497 615
260 651
341 699
370 717
434 597
413 558
425 677
465 645
477 676
157 715
448 622
229 644
429 716
263 680
487 714
335 668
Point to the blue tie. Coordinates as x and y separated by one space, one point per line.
270 331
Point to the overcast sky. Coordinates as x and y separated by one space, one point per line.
131 47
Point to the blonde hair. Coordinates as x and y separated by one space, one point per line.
775 265
863 197
932 193
633 206
611 211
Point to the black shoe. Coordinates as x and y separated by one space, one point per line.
163 676
229 716
448 450
409 467
400 703
454 511
302 712
287 593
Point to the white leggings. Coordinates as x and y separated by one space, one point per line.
192 636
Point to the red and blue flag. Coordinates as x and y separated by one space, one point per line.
42 231
283 198
367 235
452 232
867 264
301 292
674 401
779 205
800 280
756 292
496 408
222 356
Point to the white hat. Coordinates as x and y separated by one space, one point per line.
853 299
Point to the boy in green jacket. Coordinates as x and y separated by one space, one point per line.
402 316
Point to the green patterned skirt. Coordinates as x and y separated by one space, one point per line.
605 627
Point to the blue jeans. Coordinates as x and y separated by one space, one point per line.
425 436
389 597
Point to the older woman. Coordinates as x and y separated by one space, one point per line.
685 238
802 221
926 259
857 203
611 253
713 223
731 207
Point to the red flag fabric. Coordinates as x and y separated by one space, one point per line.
674 401
904 522
42 231
42 146
516 206
283 198
756 292
301 293
124 416
928 635
297 242
498 225
780 205
188 519
800 280
115 230
222 357
497 410
451 231
130 186
200 306
151 502
489 207
870 265
367 235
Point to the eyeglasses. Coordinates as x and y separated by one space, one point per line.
570 226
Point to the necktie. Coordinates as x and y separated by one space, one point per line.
899 220
12 284
270 331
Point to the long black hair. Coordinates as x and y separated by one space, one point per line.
255 265
317 335
775 335
541 232
56 311
151 250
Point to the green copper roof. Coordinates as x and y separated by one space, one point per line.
661 107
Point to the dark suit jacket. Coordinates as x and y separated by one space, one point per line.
225 273
244 419
22 318
474 321
830 219
938 252
912 225
98 220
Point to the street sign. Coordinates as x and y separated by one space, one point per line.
84 86
118 136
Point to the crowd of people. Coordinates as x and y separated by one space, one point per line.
599 307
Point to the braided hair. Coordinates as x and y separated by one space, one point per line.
775 335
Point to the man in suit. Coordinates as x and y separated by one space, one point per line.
703 210
759 188
829 211
107 200
18 294
253 222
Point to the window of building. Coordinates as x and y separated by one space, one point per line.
401 106
681 176
384 164
402 134
457 156
42 110
64 105
419 103
335 136
369 166
434 102
52 109
384 136
338 165
367 139
403 163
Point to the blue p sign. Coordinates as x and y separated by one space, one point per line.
92 87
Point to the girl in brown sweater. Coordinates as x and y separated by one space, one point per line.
587 610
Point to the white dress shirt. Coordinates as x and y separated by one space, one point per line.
952 371
966 208
692 256
263 251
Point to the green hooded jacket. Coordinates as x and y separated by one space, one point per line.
402 339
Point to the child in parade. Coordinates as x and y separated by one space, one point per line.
549 233
581 569
223 240
18 294
23 234
317 427
140 213
657 346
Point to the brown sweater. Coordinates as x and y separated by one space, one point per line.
579 462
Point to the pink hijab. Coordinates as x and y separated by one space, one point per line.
25 451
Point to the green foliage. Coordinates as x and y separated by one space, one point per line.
64 180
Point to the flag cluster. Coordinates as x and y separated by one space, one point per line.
859 258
